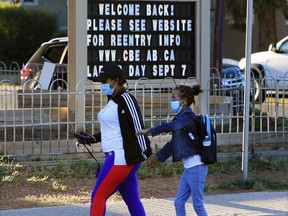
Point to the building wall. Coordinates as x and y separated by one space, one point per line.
59 7
281 25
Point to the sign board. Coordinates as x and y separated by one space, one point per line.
153 39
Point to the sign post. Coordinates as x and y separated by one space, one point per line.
247 91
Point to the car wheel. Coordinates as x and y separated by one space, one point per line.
257 88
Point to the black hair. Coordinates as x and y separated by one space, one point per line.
188 93
122 81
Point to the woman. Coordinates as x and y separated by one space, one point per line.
119 120
181 147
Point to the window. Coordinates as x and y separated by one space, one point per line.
54 53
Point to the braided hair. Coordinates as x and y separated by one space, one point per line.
188 93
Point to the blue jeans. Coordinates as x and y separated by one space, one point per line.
191 183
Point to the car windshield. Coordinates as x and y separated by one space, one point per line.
284 47
231 72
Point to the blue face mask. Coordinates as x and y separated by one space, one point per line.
105 88
175 106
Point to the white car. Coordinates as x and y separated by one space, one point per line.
270 68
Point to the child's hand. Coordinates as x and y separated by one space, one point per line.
141 132
152 160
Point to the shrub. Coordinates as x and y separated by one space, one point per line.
22 30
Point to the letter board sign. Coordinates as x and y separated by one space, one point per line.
153 39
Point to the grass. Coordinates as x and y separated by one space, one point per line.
258 184
264 175
162 170
38 185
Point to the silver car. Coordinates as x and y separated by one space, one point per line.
54 51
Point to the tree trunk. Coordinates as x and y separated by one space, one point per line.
267 29
217 22
218 40
213 5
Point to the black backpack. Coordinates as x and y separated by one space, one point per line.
207 138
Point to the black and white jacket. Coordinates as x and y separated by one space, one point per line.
136 149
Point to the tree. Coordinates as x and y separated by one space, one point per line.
265 13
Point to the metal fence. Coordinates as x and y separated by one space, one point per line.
38 123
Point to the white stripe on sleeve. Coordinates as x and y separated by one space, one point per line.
136 120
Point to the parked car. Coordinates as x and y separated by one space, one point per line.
54 51
232 76
269 69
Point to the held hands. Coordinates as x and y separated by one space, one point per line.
141 132
152 160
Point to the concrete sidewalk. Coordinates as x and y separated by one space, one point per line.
254 203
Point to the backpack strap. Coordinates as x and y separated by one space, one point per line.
207 122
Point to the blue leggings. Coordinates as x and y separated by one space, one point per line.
114 178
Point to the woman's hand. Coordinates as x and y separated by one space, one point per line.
152 160
141 132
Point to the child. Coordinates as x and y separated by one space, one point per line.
181 148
